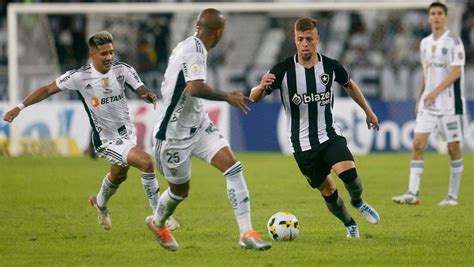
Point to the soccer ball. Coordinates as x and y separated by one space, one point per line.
283 226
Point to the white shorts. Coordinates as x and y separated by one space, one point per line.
173 157
116 151
449 127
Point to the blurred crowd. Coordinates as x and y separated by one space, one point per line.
356 38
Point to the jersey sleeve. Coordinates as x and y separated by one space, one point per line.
132 78
279 72
458 56
67 81
194 67
340 74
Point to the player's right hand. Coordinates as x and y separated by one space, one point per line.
267 79
12 114
238 100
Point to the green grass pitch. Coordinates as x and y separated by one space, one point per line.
45 218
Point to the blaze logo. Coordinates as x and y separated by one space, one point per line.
95 102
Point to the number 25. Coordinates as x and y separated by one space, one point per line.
173 157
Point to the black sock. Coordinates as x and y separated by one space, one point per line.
336 206
353 184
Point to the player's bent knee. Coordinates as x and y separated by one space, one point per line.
146 164
327 189
349 175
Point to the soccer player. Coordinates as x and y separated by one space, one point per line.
305 81
101 87
184 129
440 104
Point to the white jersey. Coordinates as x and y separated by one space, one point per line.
437 57
104 98
181 114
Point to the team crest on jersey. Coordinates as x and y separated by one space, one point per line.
120 78
460 55
296 99
444 50
324 78
105 83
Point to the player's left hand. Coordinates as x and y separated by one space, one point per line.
149 97
238 100
430 98
372 121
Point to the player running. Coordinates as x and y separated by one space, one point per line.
184 129
305 81
101 88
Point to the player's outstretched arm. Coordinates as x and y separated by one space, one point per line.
198 88
147 95
259 92
35 97
355 93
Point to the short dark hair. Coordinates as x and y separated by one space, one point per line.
438 4
100 38
305 24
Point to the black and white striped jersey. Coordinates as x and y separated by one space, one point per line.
104 98
181 114
307 97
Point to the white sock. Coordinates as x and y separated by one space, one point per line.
166 206
106 191
239 196
457 167
152 189
416 169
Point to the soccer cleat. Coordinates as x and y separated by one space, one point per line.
407 198
162 234
104 218
352 231
369 213
172 224
252 240
448 201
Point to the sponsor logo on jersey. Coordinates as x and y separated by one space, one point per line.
324 78
296 99
460 55
185 69
88 86
323 98
64 79
106 100
135 76
438 65
95 101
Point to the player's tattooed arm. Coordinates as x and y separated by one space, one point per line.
147 95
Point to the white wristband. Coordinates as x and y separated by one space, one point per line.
21 106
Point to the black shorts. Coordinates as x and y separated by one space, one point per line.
316 164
